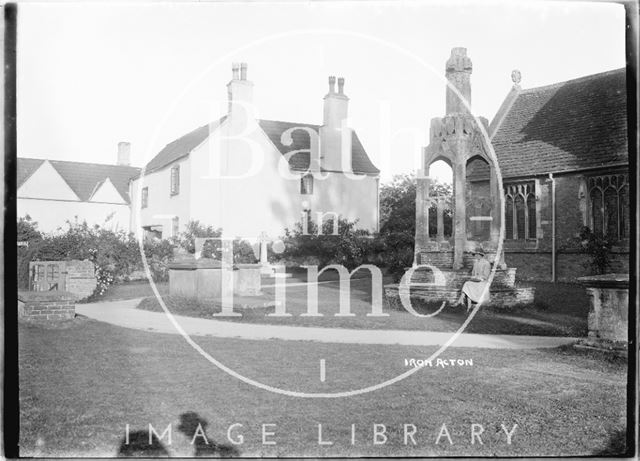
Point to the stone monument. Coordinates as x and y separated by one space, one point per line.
457 139
460 139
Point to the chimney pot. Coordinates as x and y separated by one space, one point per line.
243 71
341 85
124 153
235 69
332 84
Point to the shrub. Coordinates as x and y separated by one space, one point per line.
243 252
598 248
397 252
158 253
27 231
350 247
194 229
115 254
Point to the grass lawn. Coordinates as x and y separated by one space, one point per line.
82 382
558 310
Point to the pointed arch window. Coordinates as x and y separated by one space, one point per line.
609 205
520 211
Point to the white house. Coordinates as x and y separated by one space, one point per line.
54 191
250 176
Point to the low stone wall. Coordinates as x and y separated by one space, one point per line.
499 297
46 305
503 278
503 289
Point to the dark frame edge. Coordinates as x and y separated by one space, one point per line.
10 416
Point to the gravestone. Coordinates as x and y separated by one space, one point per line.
608 312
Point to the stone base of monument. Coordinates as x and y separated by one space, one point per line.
503 290
608 313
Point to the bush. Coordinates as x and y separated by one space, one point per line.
115 254
27 231
158 253
195 229
598 248
397 252
243 252
350 247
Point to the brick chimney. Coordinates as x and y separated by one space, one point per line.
335 141
239 89
458 72
124 153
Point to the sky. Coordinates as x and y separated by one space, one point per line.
91 75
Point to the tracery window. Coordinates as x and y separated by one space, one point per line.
608 210
520 211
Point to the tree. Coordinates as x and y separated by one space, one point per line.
194 229
27 230
398 219
398 205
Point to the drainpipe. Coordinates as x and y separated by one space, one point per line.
553 227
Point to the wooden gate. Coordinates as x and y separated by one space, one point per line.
47 276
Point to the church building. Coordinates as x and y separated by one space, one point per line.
562 150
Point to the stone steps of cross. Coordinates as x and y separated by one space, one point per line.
499 297
455 279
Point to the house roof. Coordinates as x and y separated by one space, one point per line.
82 178
25 168
182 146
566 126
360 162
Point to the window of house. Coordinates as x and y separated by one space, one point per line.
520 211
175 180
175 226
144 198
306 184
608 210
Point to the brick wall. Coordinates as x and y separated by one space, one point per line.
46 305
536 265
569 219
533 258
441 259
81 278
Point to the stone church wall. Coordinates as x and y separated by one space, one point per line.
533 258
536 265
